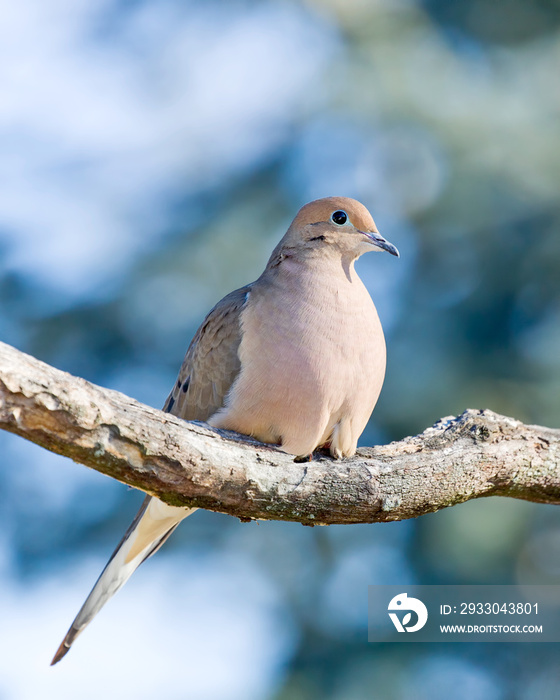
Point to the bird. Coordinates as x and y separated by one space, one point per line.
295 359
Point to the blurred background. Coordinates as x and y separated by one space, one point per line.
152 153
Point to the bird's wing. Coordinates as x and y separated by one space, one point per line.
207 373
211 364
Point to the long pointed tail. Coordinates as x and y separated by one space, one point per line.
153 524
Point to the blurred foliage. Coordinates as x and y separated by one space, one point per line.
130 211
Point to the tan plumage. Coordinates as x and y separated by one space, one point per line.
297 358
211 363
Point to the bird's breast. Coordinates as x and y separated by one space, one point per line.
322 323
312 349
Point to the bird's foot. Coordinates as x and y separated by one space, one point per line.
324 450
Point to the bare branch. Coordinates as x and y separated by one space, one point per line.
479 453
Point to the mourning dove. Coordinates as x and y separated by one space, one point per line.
296 359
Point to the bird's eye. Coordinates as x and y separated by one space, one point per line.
339 217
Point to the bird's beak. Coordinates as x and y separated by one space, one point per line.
380 242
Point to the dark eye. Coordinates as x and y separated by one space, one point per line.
339 217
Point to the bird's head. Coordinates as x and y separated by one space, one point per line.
338 223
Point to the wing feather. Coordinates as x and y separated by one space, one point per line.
211 363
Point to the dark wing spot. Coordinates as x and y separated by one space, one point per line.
178 383
186 385
170 405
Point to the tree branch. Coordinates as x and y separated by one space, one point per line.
479 453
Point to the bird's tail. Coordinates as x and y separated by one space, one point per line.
153 524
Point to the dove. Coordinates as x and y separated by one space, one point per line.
295 359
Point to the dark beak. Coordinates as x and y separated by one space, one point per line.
380 242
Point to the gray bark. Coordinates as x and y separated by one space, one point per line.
478 453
